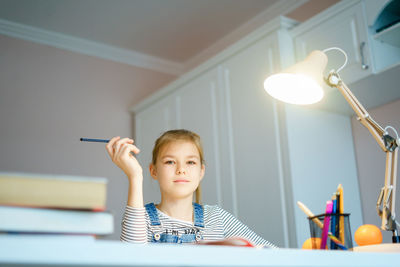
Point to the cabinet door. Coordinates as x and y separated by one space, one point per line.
150 123
255 158
344 27
197 105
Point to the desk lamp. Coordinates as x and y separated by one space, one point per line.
301 84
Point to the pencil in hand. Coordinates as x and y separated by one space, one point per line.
94 140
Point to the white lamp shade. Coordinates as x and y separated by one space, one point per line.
301 83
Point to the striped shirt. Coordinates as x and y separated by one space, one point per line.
218 224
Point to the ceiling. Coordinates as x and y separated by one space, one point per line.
169 36
166 36
174 30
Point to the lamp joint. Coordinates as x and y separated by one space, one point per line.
333 79
390 143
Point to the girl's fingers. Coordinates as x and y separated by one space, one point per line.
136 150
128 148
119 143
118 147
110 145
112 141
122 149
125 140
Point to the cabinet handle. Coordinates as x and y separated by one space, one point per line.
363 65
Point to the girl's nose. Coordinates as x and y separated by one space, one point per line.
180 169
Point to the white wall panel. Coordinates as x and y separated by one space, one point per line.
198 112
150 124
256 163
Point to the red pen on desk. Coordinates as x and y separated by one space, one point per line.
327 219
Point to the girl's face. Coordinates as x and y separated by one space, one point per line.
178 169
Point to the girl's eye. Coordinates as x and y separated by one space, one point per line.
191 162
169 162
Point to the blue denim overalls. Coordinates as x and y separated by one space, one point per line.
161 235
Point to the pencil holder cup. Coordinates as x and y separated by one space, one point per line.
331 231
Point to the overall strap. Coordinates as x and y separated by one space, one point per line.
198 215
152 212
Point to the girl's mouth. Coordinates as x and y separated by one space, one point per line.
181 181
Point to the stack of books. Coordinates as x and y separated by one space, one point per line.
54 205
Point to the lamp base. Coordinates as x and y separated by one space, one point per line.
387 247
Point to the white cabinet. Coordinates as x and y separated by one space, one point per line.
198 105
353 26
344 26
384 33
259 195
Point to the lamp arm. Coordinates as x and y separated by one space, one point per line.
388 144
374 128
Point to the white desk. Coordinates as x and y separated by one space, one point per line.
25 251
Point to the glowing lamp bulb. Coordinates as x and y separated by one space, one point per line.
292 88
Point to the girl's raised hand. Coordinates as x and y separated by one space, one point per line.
120 151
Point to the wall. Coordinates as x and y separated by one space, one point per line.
371 161
49 98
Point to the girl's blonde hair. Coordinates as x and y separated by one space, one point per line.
179 135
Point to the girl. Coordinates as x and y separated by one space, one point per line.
178 166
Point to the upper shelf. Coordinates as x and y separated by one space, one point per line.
386 26
390 35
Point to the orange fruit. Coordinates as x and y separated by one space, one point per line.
368 234
312 243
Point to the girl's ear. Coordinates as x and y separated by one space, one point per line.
203 171
153 171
